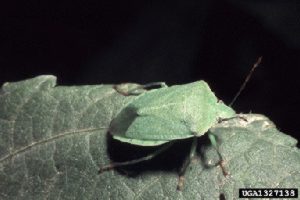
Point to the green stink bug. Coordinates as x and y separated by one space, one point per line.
171 113
177 112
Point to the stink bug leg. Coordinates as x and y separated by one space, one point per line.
186 164
131 162
154 84
220 120
137 90
214 143
152 155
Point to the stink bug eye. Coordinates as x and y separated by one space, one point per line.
167 114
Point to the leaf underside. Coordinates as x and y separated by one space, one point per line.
54 138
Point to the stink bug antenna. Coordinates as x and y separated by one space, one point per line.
246 80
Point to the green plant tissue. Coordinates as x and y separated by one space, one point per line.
54 138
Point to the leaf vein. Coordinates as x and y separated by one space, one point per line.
51 139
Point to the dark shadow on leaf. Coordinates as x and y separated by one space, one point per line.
170 160
204 144
122 122
222 197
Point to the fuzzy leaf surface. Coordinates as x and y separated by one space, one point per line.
54 138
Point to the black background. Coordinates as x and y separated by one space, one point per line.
93 42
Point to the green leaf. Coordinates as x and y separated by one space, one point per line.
54 138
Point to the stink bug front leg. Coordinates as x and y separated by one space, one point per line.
154 84
186 164
220 120
214 143
137 90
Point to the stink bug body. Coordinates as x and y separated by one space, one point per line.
169 113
